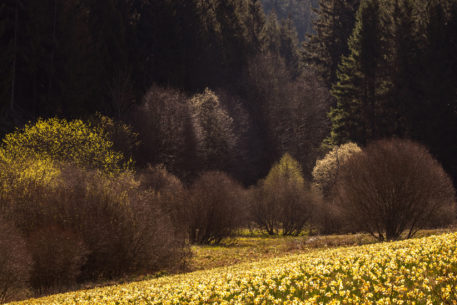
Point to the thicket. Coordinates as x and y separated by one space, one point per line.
64 224
69 224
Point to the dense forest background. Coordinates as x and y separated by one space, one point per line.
232 85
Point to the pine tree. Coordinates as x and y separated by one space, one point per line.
333 26
404 81
361 84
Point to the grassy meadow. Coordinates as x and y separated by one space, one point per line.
326 271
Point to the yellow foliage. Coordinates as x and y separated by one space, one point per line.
55 139
288 169
417 271
27 172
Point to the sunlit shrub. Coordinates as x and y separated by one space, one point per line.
327 216
55 139
327 169
282 201
213 130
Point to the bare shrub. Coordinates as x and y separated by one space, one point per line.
214 208
58 256
327 218
15 262
394 186
125 229
169 191
283 201
158 179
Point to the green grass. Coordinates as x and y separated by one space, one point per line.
251 246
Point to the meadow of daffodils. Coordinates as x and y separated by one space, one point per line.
418 271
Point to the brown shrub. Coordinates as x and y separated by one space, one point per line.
58 256
170 193
214 208
15 262
283 200
394 186
123 227
158 179
327 218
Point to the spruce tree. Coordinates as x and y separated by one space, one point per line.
333 26
404 55
361 86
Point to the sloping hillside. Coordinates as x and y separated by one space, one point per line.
423 271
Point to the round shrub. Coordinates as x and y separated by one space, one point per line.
394 186
214 208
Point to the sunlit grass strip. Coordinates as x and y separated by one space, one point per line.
419 271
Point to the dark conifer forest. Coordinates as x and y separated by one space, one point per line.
291 76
